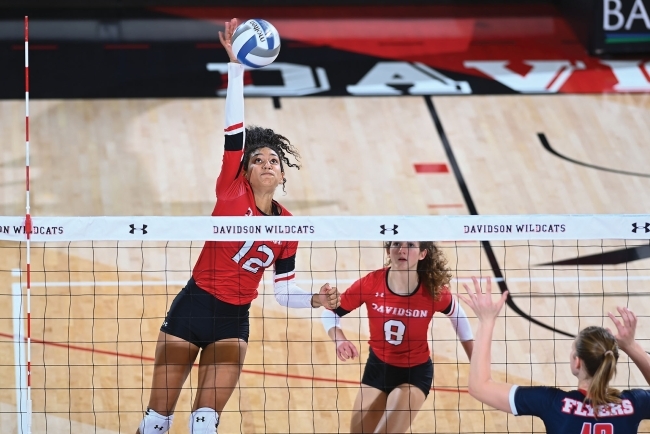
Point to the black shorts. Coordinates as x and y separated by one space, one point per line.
385 377
200 318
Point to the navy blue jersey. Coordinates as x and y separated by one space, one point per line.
566 412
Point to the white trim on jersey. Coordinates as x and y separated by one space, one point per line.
459 321
288 294
284 276
235 100
511 399
330 319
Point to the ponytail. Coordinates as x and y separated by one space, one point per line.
597 349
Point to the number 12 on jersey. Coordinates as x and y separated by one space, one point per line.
599 428
253 264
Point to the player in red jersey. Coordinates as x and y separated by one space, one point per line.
401 300
210 315
595 408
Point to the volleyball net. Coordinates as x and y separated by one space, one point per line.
99 289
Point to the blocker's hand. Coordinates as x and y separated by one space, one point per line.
329 297
625 327
226 38
345 350
481 302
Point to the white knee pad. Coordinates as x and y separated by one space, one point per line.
154 423
204 421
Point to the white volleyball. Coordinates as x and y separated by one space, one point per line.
256 43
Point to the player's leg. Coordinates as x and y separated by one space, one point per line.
402 406
220 364
176 350
219 368
368 409
408 389
173 362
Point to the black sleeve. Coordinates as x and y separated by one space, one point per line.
285 265
340 311
449 309
234 142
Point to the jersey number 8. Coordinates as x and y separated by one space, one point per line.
394 331
253 264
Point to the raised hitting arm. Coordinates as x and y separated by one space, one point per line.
234 120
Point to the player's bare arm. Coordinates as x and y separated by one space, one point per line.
625 331
481 385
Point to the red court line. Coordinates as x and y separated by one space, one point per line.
431 168
247 371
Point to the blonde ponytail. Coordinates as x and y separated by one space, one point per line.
597 349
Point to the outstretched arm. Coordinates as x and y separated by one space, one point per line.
626 327
481 385
288 294
345 349
234 121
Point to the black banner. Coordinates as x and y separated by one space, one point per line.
180 69
621 26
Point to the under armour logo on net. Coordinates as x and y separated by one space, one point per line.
200 419
646 227
384 229
133 229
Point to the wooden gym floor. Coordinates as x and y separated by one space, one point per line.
93 343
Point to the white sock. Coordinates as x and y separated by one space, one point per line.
204 421
155 423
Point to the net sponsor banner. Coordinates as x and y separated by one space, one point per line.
329 228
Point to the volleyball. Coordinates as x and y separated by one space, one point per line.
256 43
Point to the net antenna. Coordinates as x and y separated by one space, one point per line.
24 400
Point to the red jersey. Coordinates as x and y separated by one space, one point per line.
231 271
398 323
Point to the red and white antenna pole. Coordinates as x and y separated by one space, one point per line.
28 231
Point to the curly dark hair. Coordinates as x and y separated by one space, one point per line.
433 272
258 137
